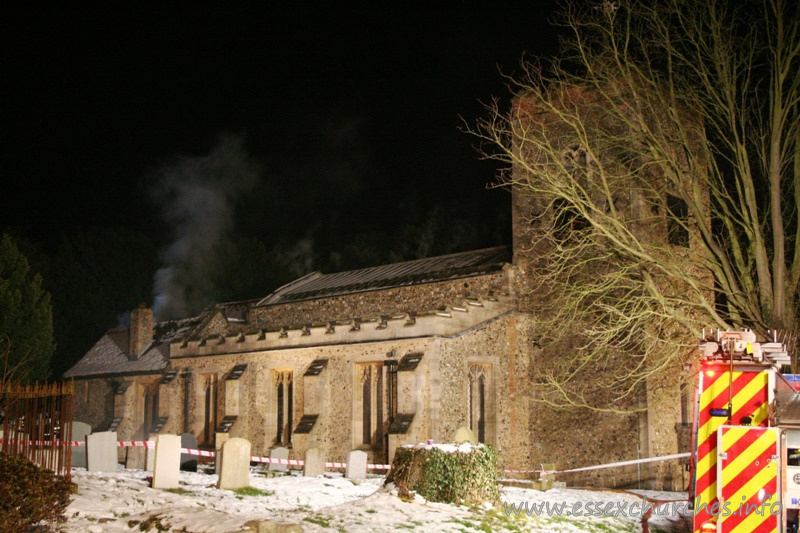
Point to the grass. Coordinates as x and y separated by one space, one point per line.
252 491
154 521
497 520
318 520
466 523
182 492
602 525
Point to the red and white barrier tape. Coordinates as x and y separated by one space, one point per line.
299 462
621 463
606 465
45 442
295 462
201 453
145 443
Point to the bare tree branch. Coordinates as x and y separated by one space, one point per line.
659 156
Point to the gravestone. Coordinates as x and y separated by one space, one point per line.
135 457
219 441
464 434
79 432
101 451
279 453
188 462
235 465
314 463
356 465
150 454
166 466
547 477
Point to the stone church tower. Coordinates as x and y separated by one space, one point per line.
551 236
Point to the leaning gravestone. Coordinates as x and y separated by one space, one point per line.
150 454
219 441
356 465
314 464
279 453
166 467
188 462
79 432
136 458
234 472
101 451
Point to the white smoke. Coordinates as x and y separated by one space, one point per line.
196 196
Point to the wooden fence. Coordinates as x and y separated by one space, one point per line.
37 424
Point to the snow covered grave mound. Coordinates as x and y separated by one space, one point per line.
448 473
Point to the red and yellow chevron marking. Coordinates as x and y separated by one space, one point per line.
748 479
750 398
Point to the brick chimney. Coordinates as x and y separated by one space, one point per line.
140 334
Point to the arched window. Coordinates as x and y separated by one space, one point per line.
677 221
209 409
377 394
284 402
150 411
481 401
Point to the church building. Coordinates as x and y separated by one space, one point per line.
372 359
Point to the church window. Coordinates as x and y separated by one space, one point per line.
687 396
366 404
150 411
481 402
568 220
567 217
377 402
284 401
209 384
677 221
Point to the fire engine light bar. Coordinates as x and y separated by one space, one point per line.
719 412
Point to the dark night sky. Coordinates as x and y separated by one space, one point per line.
352 116
356 108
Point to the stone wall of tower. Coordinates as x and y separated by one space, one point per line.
586 436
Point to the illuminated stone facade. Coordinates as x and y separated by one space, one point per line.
372 359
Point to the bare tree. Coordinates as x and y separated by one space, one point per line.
660 157
11 374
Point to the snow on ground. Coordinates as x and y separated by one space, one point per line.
124 501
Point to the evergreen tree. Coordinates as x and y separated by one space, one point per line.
26 318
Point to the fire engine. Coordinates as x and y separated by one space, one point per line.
745 455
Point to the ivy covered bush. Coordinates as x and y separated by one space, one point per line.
446 473
30 495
